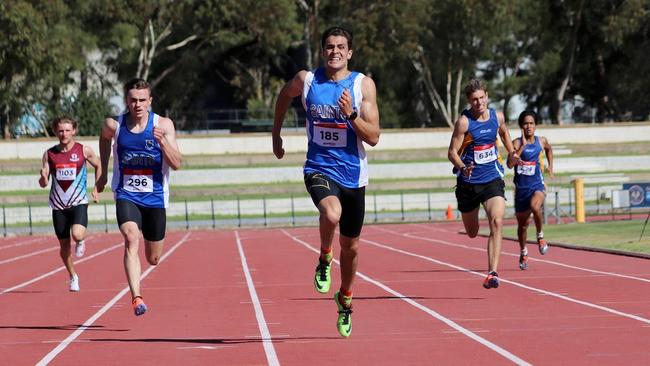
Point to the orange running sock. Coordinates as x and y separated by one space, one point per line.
347 297
326 254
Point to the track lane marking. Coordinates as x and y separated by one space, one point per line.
560 264
521 285
74 335
59 269
492 346
267 341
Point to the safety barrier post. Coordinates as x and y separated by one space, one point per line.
579 187
214 220
29 207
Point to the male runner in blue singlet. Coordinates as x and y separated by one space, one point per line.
144 148
530 189
474 153
342 113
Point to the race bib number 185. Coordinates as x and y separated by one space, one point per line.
138 180
330 137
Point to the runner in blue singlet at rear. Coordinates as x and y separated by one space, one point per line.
473 152
530 189
144 146
342 113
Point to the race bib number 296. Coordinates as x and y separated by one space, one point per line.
138 180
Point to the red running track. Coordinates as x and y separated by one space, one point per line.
246 298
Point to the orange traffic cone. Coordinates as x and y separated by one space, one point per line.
450 213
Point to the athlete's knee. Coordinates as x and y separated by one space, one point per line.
153 260
496 222
350 245
78 235
331 217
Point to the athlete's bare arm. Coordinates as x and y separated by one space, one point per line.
291 89
548 151
456 143
165 134
105 139
513 156
93 160
518 147
366 125
45 172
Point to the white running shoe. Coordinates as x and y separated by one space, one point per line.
80 249
74 283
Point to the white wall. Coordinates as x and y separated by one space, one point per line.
260 143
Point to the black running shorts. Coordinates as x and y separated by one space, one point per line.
151 220
353 201
470 195
64 219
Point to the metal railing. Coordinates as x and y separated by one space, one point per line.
300 211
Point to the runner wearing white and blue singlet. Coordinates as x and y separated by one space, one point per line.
342 114
145 147
474 153
530 189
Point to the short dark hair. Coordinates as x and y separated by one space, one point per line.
63 119
136 83
336 31
475 85
525 114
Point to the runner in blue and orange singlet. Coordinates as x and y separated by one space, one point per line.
474 153
342 114
66 163
530 189
144 148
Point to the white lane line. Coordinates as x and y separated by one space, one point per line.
267 341
503 352
9 260
541 291
59 269
66 342
26 242
614 274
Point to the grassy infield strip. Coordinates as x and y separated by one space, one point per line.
620 235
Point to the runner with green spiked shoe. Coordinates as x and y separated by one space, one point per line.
342 114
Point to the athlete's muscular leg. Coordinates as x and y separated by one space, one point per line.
64 252
470 220
131 235
78 232
349 260
536 203
153 251
330 214
495 208
523 220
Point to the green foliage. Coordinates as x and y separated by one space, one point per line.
89 109
237 53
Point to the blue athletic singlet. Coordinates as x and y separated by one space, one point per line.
68 170
140 174
480 148
528 174
334 148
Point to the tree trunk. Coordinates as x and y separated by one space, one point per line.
556 104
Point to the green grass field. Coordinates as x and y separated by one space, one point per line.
619 235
